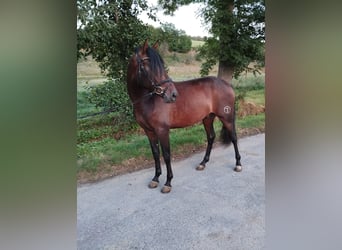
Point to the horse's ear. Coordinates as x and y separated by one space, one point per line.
156 44
145 46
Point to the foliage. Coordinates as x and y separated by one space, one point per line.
238 32
177 40
109 31
112 95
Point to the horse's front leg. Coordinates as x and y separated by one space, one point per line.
152 137
165 145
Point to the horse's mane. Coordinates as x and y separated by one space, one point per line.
157 65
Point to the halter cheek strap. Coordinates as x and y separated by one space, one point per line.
157 88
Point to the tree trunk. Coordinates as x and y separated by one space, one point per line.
225 72
226 69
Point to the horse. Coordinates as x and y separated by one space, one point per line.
160 104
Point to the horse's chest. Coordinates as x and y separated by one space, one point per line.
149 118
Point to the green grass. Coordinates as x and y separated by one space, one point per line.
83 106
256 96
108 150
249 79
196 44
251 121
92 154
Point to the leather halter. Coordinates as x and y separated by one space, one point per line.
157 87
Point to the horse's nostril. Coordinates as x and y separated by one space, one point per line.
174 94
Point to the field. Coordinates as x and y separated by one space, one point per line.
105 148
196 44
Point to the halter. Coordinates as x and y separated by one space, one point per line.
157 87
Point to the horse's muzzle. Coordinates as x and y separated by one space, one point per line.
173 96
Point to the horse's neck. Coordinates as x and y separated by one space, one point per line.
135 91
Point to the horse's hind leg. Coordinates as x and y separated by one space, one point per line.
229 135
209 129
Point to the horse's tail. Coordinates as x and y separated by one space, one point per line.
225 136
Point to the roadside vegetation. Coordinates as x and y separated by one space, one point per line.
112 144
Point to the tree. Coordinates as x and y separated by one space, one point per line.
177 40
110 30
238 34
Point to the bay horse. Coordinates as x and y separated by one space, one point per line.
161 104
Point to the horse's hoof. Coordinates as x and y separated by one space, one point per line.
200 167
166 189
153 184
238 168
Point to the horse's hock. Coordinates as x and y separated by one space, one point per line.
249 108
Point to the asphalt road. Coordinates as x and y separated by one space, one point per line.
212 209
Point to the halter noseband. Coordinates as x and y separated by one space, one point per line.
157 87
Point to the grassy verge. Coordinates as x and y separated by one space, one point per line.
109 157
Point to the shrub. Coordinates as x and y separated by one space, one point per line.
112 95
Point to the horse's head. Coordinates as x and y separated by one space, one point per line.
151 73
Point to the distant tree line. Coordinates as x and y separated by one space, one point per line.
177 40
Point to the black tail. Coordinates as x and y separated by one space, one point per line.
225 136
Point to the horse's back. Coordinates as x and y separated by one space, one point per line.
206 86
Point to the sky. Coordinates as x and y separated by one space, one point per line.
185 18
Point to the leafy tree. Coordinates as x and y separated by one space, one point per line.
238 34
110 30
183 44
177 40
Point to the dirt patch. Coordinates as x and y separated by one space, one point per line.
249 108
106 171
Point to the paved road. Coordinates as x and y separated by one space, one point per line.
212 209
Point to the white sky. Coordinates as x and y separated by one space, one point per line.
185 18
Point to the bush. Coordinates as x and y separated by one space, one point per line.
112 95
181 44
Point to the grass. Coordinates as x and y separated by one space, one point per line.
183 141
103 144
252 121
83 106
195 43
256 96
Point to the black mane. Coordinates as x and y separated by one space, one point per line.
156 62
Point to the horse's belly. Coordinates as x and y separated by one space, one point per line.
187 117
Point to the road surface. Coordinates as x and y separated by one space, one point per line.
212 209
